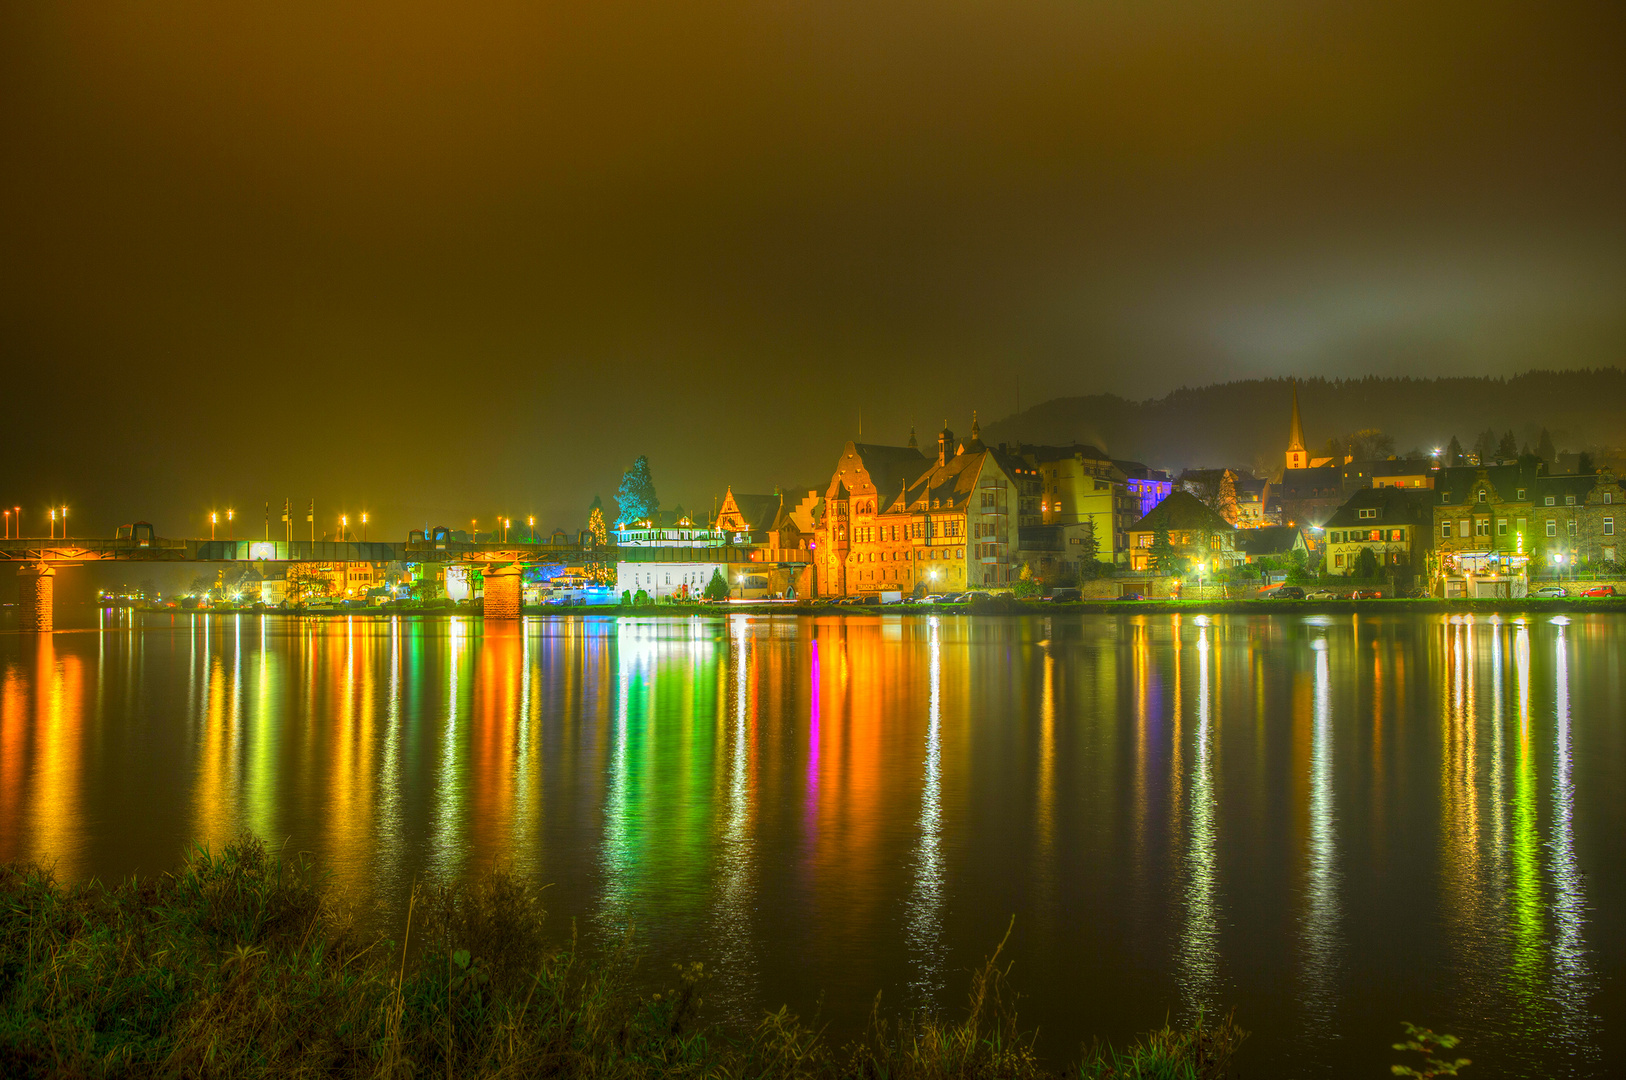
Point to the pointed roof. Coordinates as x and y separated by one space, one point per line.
1295 437
1182 510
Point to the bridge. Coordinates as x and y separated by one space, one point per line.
37 559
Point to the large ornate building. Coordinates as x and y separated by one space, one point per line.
894 518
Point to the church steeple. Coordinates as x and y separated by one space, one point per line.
1297 456
912 444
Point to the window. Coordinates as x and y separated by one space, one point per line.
1445 530
1571 524
1462 528
1334 538
1521 495
1445 496
1481 526
1608 497
1609 526
1501 526
1549 500
1375 534
1552 527
1518 526
1482 495
1569 500
1369 513
1396 535
1338 560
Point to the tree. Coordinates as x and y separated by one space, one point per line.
635 498
1544 447
1366 564
1508 448
1583 464
1485 446
717 587
1453 452
1227 497
595 524
1089 550
1164 560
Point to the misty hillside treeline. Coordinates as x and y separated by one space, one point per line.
1246 423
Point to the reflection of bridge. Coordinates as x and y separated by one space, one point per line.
37 559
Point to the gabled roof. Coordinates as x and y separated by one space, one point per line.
1182 510
756 513
1269 540
889 468
1394 505
948 485
1459 484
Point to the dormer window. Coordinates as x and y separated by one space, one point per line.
1521 494
1483 495
1550 500
1445 496
1569 500
1369 513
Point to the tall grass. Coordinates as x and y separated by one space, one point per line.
241 964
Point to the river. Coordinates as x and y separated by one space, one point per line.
1328 823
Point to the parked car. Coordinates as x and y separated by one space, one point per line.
1131 596
1321 594
1551 590
970 596
1063 595
1600 590
1287 592
1366 594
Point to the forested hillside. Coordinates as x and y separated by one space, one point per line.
1246 423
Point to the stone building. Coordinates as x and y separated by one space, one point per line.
1198 534
894 519
1601 519
1396 524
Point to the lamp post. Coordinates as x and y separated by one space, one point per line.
364 526
8 524
231 530
507 523
53 523
19 512
212 517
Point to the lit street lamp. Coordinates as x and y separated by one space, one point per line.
212 518
364 527
8 524
231 533
53 523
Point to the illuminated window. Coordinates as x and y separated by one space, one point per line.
1482 526
1397 535
1338 560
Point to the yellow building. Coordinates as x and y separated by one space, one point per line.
1080 484
894 519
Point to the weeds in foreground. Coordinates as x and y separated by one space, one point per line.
1423 1041
240 964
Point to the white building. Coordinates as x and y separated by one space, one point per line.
670 556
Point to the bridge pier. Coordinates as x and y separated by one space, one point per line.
505 592
36 589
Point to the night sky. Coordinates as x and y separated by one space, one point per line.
445 266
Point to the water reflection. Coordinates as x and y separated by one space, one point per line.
852 805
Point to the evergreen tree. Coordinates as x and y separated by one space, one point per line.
1544 448
1583 464
1508 448
635 498
1485 446
1366 564
1164 560
717 587
1453 452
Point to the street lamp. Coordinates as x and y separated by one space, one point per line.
8 524
364 526
53 523
212 517
344 526
231 533
506 525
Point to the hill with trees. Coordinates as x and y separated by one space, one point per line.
1245 423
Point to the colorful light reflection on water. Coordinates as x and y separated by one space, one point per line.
1330 824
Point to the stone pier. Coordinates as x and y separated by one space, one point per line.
36 594
505 592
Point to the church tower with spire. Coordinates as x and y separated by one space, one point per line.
1297 456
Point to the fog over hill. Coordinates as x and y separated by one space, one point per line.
1246 423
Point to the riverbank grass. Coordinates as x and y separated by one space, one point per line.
243 964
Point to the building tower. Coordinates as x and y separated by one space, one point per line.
1297 456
